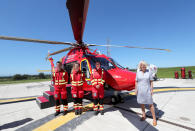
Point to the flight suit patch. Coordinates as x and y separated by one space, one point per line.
56 96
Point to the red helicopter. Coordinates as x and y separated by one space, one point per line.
118 78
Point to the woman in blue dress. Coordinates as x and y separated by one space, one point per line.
144 90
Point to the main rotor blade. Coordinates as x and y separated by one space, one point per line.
130 47
78 12
34 40
60 51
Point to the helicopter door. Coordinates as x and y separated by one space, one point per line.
85 68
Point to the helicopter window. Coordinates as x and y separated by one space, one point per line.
105 64
85 68
116 63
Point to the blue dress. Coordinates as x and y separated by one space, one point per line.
143 87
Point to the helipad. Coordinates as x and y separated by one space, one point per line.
174 102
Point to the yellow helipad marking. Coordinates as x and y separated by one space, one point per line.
59 121
172 89
15 100
132 93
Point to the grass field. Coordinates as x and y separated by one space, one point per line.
169 72
22 81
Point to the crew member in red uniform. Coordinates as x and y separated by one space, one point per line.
77 80
60 79
98 80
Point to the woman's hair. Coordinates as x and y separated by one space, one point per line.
73 68
142 63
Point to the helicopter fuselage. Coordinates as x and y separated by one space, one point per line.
117 77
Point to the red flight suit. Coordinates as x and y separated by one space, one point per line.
60 79
77 80
98 78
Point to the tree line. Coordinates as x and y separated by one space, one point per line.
26 77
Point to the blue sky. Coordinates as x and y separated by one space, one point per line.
149 23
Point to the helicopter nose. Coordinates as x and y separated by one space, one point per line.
132 77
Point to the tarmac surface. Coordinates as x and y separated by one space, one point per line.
174 102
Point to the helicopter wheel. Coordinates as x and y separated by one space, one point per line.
117 99
114 100
121 99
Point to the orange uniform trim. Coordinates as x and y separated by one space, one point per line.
77 83
98 81
61 82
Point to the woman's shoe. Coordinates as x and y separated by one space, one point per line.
154 123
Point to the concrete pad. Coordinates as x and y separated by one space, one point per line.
27 112
164 127
171 106
11 113
181 109
114 120
23 89
170 82
177 107
159 103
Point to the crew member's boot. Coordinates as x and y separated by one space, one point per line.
57 108
95 107
65 105
101 106
76 109
57 111
65 109
101 109
80 106
76 106
81 109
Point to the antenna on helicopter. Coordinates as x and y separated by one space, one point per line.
108 47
